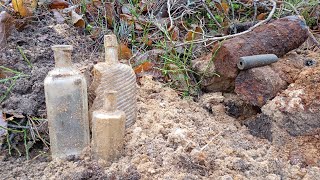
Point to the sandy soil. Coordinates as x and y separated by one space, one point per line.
176 138
173 138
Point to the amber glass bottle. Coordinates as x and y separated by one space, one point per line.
108 129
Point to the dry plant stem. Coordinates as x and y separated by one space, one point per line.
207 8
171 21
314 39
274 4
255 10
214 137
36 130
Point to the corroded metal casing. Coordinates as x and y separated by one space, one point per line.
248 62
277 37
113 75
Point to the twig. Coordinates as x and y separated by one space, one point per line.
36 130
234 35
314 39
255 10
211 140
210 13
18 127
169 13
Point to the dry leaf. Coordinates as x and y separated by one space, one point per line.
58 4
143 6
19 7
223 7
146 40
124 52
175 34
77 20
6 24
196 34
146 66
262 16
127 18
109 8
58 16
34 4
138 27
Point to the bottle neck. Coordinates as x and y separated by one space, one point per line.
62 56
111 49
110 103
111 55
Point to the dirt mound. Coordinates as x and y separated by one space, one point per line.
176 138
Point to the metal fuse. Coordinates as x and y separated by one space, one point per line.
248 62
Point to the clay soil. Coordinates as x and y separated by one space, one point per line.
173 138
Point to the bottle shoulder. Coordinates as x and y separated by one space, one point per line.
63 72
108 115
102 66
65 75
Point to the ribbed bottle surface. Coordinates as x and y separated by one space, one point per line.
118 77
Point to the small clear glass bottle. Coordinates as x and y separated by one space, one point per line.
113 75
108 129
67 106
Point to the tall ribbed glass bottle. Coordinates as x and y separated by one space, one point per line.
108 129
67 106
113 75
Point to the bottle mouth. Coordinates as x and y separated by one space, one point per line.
62 47
110 40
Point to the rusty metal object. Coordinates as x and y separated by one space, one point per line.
293 112
277 37
248 62
258 85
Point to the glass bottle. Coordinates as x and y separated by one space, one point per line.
67 106
108 129
113 75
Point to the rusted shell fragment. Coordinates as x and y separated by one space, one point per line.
278 37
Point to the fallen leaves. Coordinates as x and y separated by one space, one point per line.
124 51
262 16
58 4
195 34
77 20
223 7
175 34
20 7
6 24
146 66
109 10
147 63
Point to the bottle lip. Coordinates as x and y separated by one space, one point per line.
62 47
110 40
